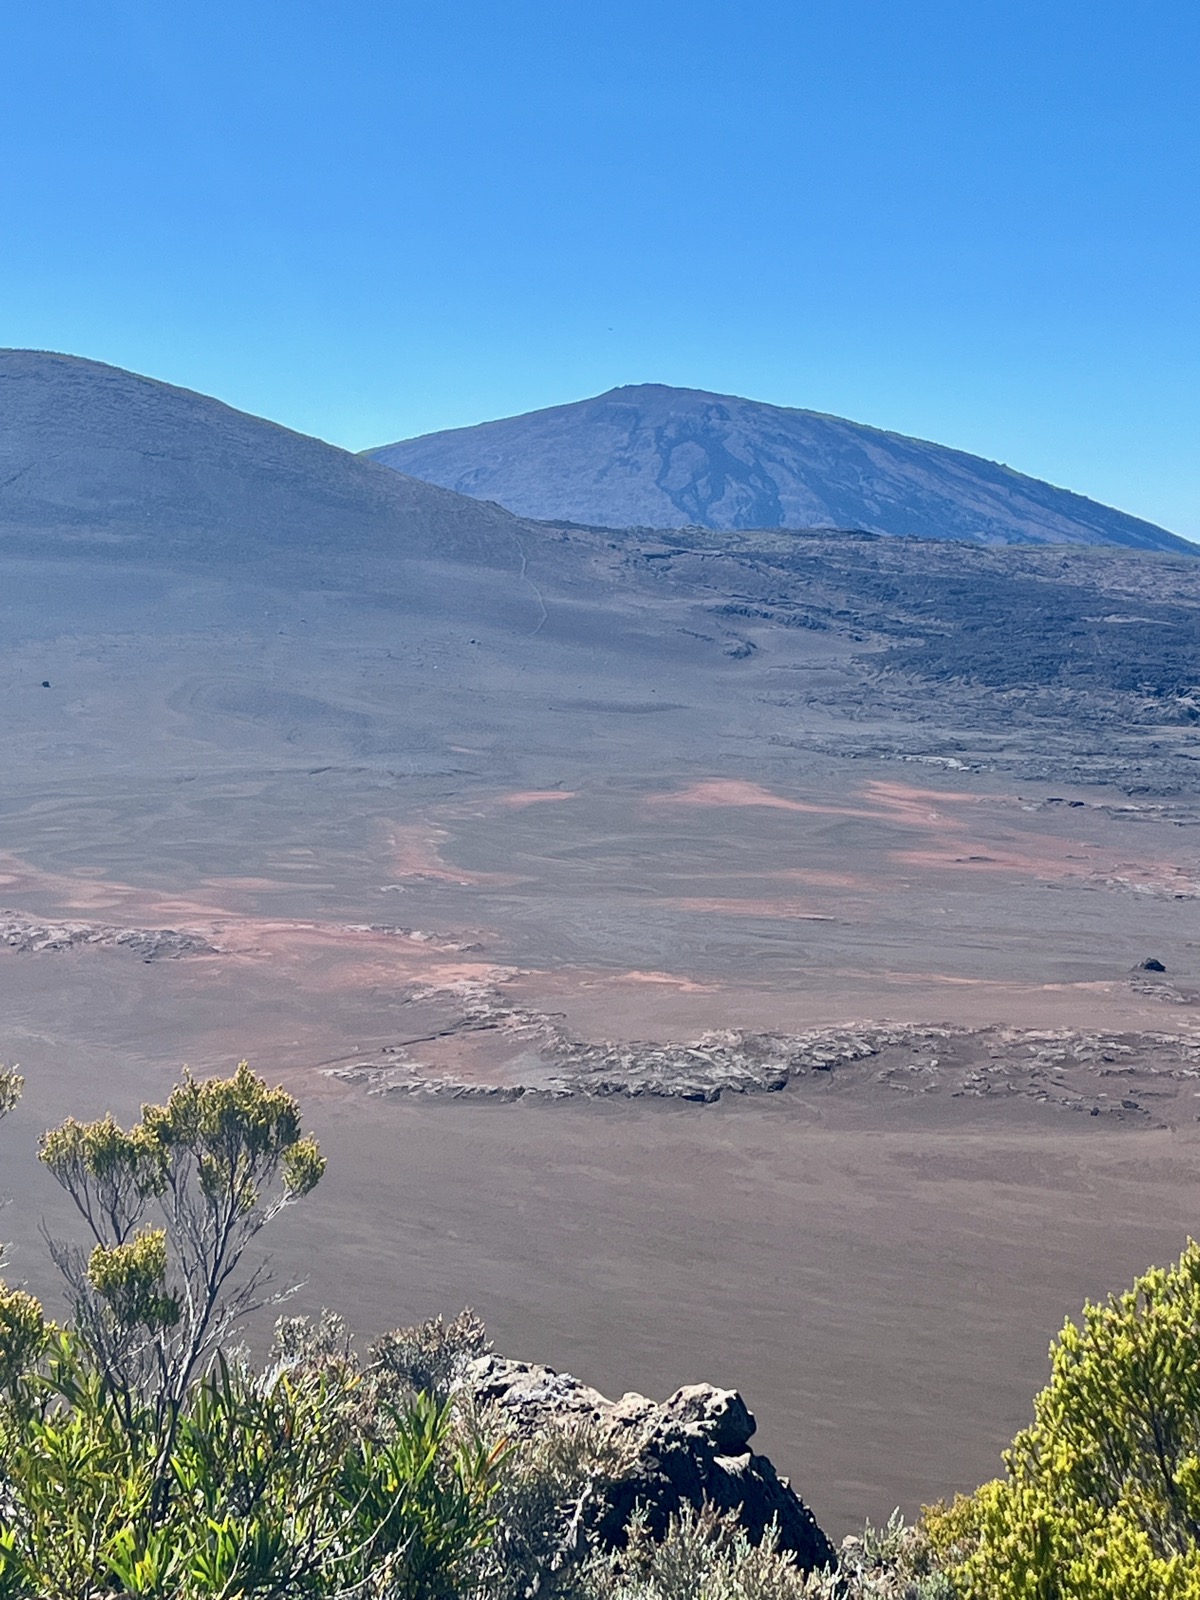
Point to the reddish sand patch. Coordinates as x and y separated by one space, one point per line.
888 802
536 797
735 792
887 792
83 892
789 910
337 958
978 844
416 853
812 878
333 956
670 979
891 802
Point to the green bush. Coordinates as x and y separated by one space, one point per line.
702 1556
432 1357
1101 1499
139 1457
276 1489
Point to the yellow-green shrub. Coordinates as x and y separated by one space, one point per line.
1101 1500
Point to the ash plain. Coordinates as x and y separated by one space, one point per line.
582 816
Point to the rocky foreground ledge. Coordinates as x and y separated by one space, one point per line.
692 1448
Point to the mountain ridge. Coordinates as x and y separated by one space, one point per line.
92 452
649 455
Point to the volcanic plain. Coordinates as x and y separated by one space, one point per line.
713 957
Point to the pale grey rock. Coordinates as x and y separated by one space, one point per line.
29 936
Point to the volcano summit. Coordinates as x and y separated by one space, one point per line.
648 455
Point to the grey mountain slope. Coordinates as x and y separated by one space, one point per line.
263 586
94 455
652 456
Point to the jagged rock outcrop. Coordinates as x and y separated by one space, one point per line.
693 1447
30 937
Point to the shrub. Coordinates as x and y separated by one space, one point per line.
275 1491
140 1457
432 1357
546 1492
702 1556
1101 1498
895 1562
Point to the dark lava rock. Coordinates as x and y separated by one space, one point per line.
693 1447
1152 964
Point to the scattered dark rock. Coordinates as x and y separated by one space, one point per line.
695 1446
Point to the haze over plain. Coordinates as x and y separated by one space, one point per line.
567 829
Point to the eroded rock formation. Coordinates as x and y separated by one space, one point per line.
691 1448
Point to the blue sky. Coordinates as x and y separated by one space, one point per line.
977 221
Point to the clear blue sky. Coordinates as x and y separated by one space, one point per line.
977 221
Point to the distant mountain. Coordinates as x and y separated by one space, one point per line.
194 584
651 456
93 456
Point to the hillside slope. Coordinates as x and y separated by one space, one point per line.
652 456
93 455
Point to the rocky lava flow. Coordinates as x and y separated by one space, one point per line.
1124 1076
30 937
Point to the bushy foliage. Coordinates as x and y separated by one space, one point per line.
432 1357
1101 1499
275 1489
140 1457
545 1491
895 1562
702 1556
11 1084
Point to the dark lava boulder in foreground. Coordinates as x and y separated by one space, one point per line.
656 457
694 1447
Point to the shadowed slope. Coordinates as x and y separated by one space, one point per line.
652 456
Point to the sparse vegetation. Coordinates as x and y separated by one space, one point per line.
432 1357
1101 1499
143 1455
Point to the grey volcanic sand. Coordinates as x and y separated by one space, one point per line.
436 786
882 1291
879 1272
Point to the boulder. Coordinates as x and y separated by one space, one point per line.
688 1449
